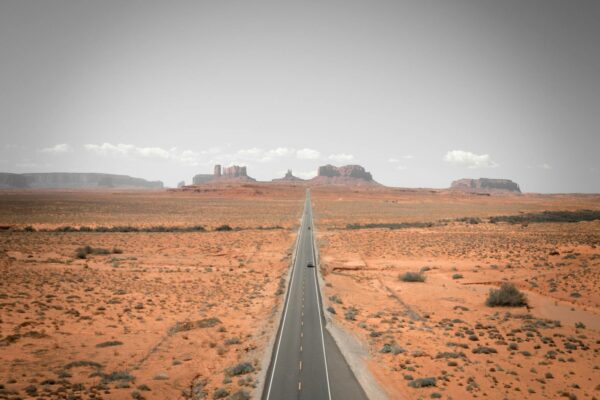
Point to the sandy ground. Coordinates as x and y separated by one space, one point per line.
441 328
161 315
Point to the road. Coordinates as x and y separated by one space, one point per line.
306 362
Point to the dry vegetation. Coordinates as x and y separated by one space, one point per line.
154 315
422 309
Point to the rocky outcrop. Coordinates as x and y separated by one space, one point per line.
289 177
348 174
486 185
228 174
59 180
199 179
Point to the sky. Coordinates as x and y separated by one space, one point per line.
419 92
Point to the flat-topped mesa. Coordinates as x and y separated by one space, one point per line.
233 173
486 185
289 177
66 180
348 174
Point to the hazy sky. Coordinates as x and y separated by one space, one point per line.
419 92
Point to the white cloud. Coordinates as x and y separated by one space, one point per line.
400 167
305 174
57 149
469 160
341 157
187 157
153 152
307 154
546 166
110 149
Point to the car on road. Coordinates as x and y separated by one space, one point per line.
310 264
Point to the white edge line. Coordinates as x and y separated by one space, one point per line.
319 306
287 302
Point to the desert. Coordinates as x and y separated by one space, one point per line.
154 315
120 294
409 273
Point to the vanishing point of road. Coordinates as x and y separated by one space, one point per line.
307 363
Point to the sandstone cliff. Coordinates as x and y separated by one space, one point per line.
56 180
346 175
234 173
486 185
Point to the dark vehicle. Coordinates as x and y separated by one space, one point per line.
310 264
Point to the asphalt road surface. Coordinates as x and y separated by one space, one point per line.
306 362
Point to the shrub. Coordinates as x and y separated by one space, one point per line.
457 276
507 296
412 277
223 228
240 369
240 395
220 393
109 343
422 382
484 350
351 313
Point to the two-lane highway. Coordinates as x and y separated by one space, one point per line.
306 363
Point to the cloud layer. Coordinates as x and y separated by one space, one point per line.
469 160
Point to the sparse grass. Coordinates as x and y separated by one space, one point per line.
412 277
507 296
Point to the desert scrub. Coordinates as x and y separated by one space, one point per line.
223 228
457 276
422 382
412 277
507 296
351 313
109 343
83 252
240 369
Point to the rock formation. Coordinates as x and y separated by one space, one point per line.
289 177
486 185
55 180
233 173
348 174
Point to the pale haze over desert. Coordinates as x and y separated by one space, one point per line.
299 200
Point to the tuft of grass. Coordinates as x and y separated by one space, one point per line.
457 276
507 296
412 277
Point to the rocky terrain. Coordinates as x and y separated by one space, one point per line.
486 185
61 180
346 175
